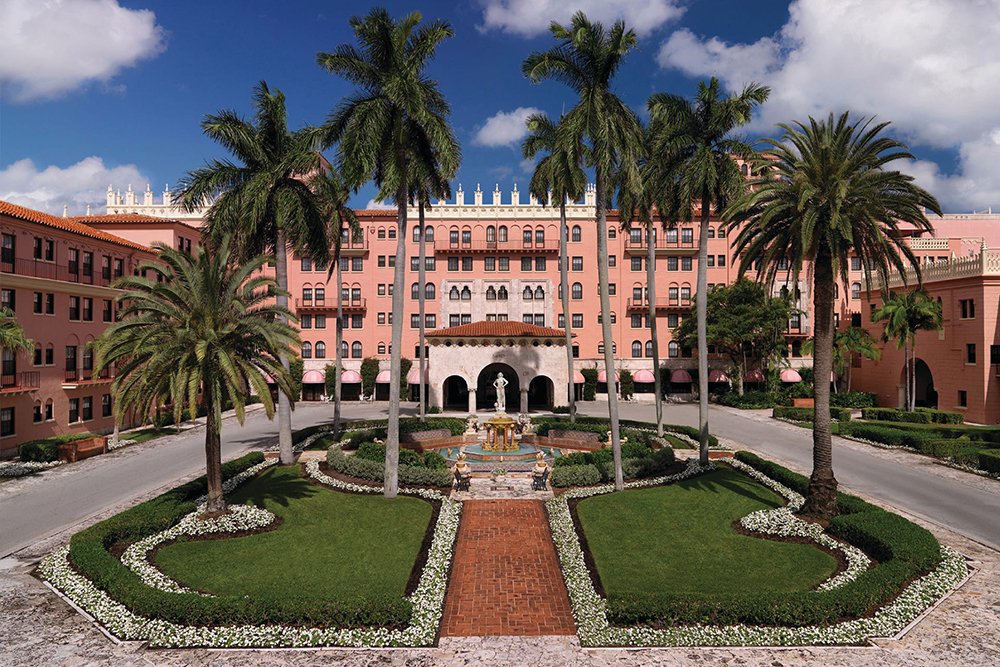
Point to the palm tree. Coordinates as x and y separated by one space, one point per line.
698 138
586 59
207 323
560 175
334 194
12 338
263 200
398 117
821 196
846 344
905 315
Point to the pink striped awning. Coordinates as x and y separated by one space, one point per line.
413 377
680 376
350 377
382 377
715 375
790 375
602 376
754 376
578 377
643 376
313 377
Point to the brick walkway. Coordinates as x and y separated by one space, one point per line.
505 579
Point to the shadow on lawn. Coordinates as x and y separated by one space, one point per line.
717 483
278 488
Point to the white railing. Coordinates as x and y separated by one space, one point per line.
987 263
928 244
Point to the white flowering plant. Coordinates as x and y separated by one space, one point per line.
22 468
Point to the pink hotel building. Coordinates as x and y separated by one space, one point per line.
492 269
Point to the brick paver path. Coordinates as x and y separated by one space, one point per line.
505 579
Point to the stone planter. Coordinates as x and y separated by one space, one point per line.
803 402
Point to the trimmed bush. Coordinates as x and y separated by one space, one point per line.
603 423
589 383
853 399
373 470
576 475
560 410
989 460
47 449
752 400
601 430
918 416
887 435
806 414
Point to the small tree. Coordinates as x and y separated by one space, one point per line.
330 379
626 384
295 369
369 371
905 315
589 383
405 365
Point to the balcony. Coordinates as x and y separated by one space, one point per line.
483 247
801 331
19 383
662 247
76 378
330 305
354 249
72 273
662 304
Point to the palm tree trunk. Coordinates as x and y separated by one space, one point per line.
338 357
216 502
116 433
420 272
391 487
284 401
906 375
821 498
850 364
701 306
651 298
913 373
609 358
564 289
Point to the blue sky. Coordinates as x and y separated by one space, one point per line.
99 91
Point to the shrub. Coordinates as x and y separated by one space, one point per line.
373 470
751 400
631 469
560 410
589 383
918 416
369 371
364 435
887 435
657 463
434 410
575 475
47 449
626 384
853 399
989 460
543 427
806 414
304 433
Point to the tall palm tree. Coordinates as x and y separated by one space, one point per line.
207 323
698 137
847 343
557 173
263 200
12 337
397 117
333 193
905 315
586 58
822 195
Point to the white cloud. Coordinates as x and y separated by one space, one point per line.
76 186
929 66
504 128
50 48
529 18
375 205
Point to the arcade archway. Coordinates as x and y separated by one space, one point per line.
541 392
924 395
456 393
486 394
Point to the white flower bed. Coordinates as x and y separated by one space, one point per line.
590 609
119 444
22 468
427 600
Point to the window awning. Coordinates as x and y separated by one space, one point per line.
790 375
643 376
382 377
313 377
680 376
413 377
350 377
602 376
715 375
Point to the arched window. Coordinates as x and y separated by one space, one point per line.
381 348
429 233
381 232
576 291
649 349
527 294
321 350
673 349
466 293
392 232
453 237
502 234
540 236
415 291
453 293
491 234
491 293
37 412
416 232
343 349
855 290
429 290
711 232
612 233
502 293
356 350
600 348
526 236
636 349
37 360
722 232
575 234
48 410
539 293
307 350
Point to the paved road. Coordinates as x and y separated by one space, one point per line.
963 502
36 507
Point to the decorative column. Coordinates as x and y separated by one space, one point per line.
524 400
472 400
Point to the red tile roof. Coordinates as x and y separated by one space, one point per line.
129 218
497 330
72 225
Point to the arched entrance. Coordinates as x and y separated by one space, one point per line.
486 394
456 393
540 393
924 396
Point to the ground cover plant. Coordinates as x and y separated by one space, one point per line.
958 444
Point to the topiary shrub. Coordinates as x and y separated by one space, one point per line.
853 399
374 470
918 416
752 400
806 414
575 475
887 435
626 385
589 383
989 460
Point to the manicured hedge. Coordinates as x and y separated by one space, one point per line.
576 475
853 399
918 416
414 425
543 427
887 435
47 449
902 549
637 463
806 414
603 423
376 452
752 400
989 460
374 471
90 552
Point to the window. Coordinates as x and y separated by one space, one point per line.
50 355
673 349
453 294
995 354
357 322
392 232
685 294
561 321
36 414
855 290
526 236
687 235
37 356
305 321
108 311
635 321
636 349
453 236
381 348
453 320
88 309
637 294
612 234
673 320
577 320
711 260
466 263
414 321
320 350
576 292
577 264
968 307
672 235
466 293
392 260
855 263
345 322
574 234
381 232
502 234
453 263
415 291
106 405
527 294
466 318
540 236
649 349
527 318
6 421
489 263
8 299
106 267
612 289
612 261
307 264
539 293
711 232
491 293
504 263
491 234
380 318
635 236
430 321
307 294
74 308
36 303
672 294
381 261
119 268
721 260
796 322
88 264
685 263
430 292
37 253
357 264
307 350
963 398
970 353
636 264
74 410
526 264
502 294
671 263
466 237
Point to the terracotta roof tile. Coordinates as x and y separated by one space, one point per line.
130 218
497 329
72 225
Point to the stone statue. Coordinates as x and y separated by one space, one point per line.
524 425
461 466
500 384
540 465
472 425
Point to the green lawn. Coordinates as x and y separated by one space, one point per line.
151 433
331 545
679 538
